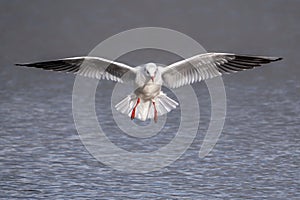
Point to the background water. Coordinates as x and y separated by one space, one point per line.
257 155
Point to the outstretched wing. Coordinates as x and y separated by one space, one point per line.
92 67
209 65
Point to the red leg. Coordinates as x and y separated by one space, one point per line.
155 112
133 111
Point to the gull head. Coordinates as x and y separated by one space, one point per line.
150 70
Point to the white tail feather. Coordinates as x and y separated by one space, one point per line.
145 109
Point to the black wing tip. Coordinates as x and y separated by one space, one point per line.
26 65
259 59
55 65
271 59
277 58
262 57
21 64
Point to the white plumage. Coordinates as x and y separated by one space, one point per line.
148 101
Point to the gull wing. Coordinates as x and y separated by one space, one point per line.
92 67
209 65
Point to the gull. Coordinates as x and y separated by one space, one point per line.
148 101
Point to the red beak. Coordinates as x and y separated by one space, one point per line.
152 78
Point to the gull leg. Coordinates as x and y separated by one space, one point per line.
133 111
155 112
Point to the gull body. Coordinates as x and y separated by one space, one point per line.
151 86
147 101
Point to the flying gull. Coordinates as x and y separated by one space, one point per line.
148 101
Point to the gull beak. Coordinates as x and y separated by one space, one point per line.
152 78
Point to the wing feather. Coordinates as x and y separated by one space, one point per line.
209 65
92 67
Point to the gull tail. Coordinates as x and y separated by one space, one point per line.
145 109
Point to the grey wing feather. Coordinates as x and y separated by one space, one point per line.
209 65
92 67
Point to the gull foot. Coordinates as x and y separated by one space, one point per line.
155 112
134 108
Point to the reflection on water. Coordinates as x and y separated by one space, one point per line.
257 155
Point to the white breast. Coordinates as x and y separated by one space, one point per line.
148 91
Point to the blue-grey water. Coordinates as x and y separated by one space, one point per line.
42 156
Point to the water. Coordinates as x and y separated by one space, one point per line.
256 157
